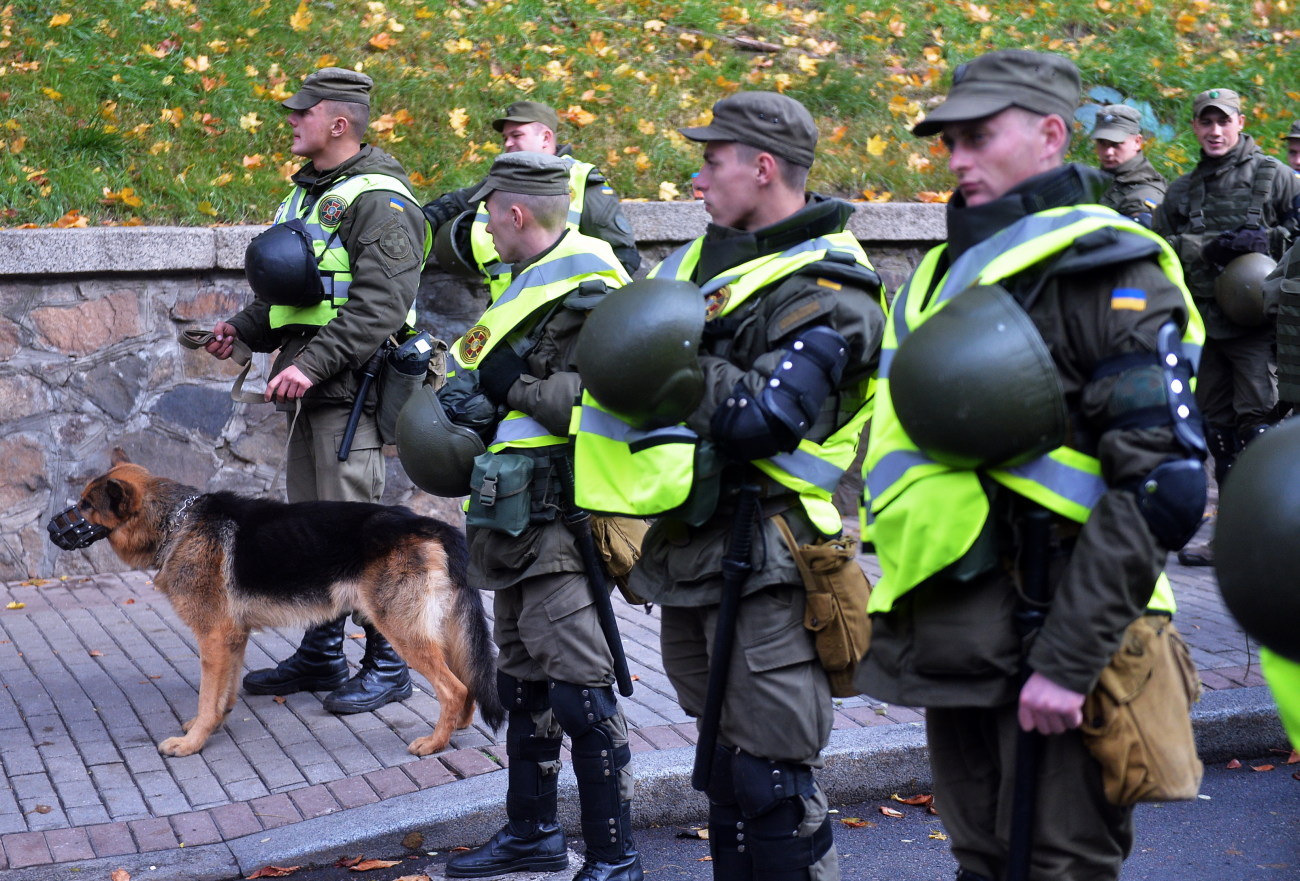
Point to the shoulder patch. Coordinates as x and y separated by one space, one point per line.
331 210
1132 299
395 243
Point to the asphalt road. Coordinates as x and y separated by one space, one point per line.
1244 827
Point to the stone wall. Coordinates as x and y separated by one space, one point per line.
89 361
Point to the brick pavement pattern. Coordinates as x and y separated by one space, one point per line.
96 670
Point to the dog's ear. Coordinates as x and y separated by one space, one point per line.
118 457
121 497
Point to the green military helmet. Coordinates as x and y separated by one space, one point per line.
280 266
1255 548
638 352
437 454
451 247
1239 289
974 386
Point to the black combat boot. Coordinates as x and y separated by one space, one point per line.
317 665
532 839
383 678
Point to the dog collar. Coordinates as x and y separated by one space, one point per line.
178 516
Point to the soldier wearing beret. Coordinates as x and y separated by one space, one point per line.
554 669
1021 403
593 210
353 222
1234 206
790 314
1137 189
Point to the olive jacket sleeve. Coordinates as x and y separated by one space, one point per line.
603 218
1112 570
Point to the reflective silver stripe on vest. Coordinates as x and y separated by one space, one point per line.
335 288
521 428
807 467
607 425
673 262
891 468
817 244
543 274
1077 486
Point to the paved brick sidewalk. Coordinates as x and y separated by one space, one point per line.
95 671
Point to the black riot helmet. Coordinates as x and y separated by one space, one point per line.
280 265
1256 552
638 352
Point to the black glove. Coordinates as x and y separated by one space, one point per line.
1232 244
499 371
441 210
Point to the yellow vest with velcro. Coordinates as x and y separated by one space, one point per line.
623 470
923 515
574 260
322 220
484 250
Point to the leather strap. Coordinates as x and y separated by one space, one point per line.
242 354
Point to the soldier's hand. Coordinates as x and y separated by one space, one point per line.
1049 708
441 210
223 340
288 384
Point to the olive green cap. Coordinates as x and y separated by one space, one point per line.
1039 82
1223 99
526 173
1116 122
331 84
1294 133
769 121
529 111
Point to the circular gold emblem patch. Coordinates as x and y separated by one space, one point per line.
331 210
716 301
472 343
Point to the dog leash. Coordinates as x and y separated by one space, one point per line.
242 354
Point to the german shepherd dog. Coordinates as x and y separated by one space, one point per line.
229 564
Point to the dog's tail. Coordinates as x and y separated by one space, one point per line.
474 661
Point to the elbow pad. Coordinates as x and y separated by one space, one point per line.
756 427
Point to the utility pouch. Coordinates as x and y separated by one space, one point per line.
835 607
1137 720
498 492
618 541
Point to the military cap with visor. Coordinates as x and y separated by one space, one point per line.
1117 122
528 111
1039 82
1294 133
526 173
1220 99
331 84
771 122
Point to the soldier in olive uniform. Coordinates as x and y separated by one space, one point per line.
1137 189
789 347
1237 201
594 210
353 203
1292 139
554 669
953 492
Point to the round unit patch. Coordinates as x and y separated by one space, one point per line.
472 343
331 210
716 301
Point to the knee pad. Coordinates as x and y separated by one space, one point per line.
579 707
523 743
763 784
522 694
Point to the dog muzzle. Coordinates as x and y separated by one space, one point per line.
72 532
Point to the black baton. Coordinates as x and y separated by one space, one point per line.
1036 540
579 522
735 571
368 374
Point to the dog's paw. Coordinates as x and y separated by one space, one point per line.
179 746
427 745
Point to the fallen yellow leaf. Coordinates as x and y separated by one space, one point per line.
16 605
57 21
301 18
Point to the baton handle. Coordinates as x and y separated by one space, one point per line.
368 374
735 571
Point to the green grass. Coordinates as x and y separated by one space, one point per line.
166 111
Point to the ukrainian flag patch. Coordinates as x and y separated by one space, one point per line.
1134 299
397 204
608 191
